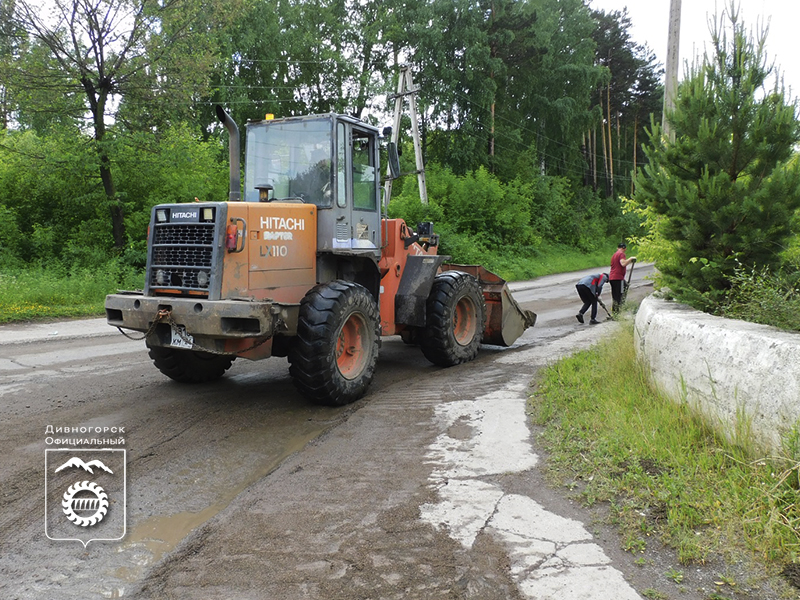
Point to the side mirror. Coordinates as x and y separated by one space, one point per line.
394 160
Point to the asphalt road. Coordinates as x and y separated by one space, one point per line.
428 487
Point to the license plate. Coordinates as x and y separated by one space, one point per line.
181 339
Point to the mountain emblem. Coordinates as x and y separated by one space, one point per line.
77 462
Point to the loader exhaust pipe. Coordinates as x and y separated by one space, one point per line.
235 193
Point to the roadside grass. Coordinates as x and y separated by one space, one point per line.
41 293
551 258
665 475
516 264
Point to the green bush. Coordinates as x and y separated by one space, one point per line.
477 204
566 214
760 296
48 190
10 237
51 180
518 215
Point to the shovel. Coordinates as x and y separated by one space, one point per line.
600 302
627 284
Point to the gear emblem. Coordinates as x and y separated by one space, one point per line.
85 503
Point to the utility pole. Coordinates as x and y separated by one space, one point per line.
405 87
673 57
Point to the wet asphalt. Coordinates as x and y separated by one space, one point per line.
428 487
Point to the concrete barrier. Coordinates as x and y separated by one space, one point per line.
744 378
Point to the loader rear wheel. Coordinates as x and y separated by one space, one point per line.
333 358
188 366
455 318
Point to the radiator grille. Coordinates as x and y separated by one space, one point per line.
182 257
187 233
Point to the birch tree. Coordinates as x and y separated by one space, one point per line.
102 50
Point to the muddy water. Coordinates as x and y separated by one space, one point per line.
158 534
190 451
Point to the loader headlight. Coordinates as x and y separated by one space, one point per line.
202 279
161 277
162 216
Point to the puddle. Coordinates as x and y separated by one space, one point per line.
149 540
159 535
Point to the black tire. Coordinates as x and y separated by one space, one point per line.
333 358
189 366
455 318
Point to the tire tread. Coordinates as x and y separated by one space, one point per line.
312 361
438 341
189 366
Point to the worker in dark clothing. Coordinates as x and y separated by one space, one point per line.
589 289
619 264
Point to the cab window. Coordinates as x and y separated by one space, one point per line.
365 181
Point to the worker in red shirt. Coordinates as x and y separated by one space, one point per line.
616 275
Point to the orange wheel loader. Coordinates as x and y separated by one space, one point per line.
304 264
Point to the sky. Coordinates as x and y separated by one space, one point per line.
650 24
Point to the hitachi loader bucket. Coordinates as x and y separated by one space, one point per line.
505 319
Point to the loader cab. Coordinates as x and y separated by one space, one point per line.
331 161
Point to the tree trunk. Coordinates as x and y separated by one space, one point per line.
493 54
610 144
97 104
605 148
363 81
635 137
3 108
594 159
114 204
491 133
587 160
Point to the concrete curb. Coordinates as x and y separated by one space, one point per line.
743 377
23 333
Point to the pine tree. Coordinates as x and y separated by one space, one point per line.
725 191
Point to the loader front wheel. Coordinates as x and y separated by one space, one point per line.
455 318
188 366
332 360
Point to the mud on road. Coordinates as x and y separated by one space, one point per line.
428 487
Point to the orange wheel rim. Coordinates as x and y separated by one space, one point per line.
465 319
351 351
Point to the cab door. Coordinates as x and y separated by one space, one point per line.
357 193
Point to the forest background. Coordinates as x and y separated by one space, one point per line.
533 113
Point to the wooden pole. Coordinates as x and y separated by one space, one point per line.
405 87
673 56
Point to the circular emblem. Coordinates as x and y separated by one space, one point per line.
85 503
